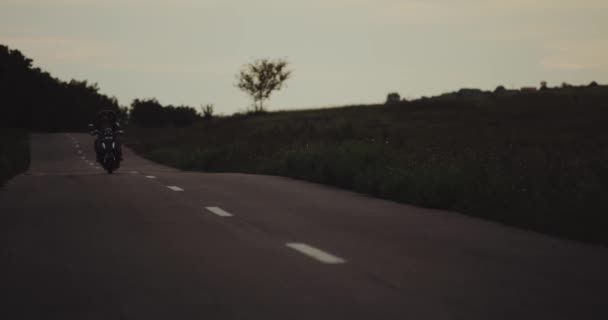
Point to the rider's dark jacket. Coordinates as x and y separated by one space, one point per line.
105 120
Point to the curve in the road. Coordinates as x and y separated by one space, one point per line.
78 243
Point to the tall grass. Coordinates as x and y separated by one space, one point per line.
539 162
14 153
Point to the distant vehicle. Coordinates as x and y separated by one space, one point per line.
109 157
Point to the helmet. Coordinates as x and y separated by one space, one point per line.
107 115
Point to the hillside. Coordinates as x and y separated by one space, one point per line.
535 160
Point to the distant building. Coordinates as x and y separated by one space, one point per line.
393 98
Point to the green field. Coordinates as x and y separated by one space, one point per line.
538 161
14 153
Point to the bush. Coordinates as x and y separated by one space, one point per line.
14 153
148 113
535 161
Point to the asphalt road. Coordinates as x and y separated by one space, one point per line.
151 242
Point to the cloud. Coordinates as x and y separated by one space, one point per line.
104 2
577 55
164 68
45 2
548 4
61 49
444 11
106 56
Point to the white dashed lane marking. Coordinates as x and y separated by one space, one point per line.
151 177
175 188
134 172
219 212
315 253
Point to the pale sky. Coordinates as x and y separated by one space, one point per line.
341 51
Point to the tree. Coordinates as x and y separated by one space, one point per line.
151 114
500 89
393 98
260 78
207 111
181 116
148 113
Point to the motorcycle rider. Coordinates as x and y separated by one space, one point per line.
106 119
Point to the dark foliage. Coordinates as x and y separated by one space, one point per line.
149 113
14 153
534 160
34 100
207 112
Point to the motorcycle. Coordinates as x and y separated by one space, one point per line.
108 155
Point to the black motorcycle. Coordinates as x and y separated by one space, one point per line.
106 148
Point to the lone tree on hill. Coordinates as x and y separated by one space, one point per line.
260 78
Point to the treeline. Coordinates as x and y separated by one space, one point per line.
149 113
33 99
14 153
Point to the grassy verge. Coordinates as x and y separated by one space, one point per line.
538 162
14 153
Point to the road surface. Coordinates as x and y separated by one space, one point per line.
151 242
